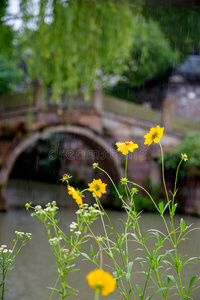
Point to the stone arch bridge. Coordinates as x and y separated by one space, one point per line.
100 122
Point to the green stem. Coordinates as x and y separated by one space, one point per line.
110 181
172 221
145 286
117 267
111 255
126 166
3 280
163 173
176 255
176 179
96 296
54 288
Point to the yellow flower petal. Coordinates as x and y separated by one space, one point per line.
76 195
97 187
126 147
154 135
102 282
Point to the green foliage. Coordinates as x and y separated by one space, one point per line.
71 44
78 39
191 146
6 32
163 36
10 74
179 23
152 55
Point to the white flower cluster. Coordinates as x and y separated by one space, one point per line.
73 226
54 241
3 249
50 207
21 234
89 212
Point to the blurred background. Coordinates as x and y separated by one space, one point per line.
78 76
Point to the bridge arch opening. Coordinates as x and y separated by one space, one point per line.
103 153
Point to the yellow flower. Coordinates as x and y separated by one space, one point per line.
76 195
97 187
102 282
126 147
154 135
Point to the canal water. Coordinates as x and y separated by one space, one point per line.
34 268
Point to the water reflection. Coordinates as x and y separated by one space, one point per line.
33 268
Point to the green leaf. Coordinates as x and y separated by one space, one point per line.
191 282
182 225
92 251
171 278
128 276
161 207
86 256
159 239
130 265
147 236
139 289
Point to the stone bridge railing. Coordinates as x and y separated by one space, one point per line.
33 101
145 113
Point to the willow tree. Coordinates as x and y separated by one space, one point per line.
9 72
72 42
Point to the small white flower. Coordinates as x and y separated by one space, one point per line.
5 250
38 207
96 211
55 240
78 232
184 156
3 246
28 235
86 214
19 234
72 226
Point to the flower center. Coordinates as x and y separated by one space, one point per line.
155 135
98 287
96 187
